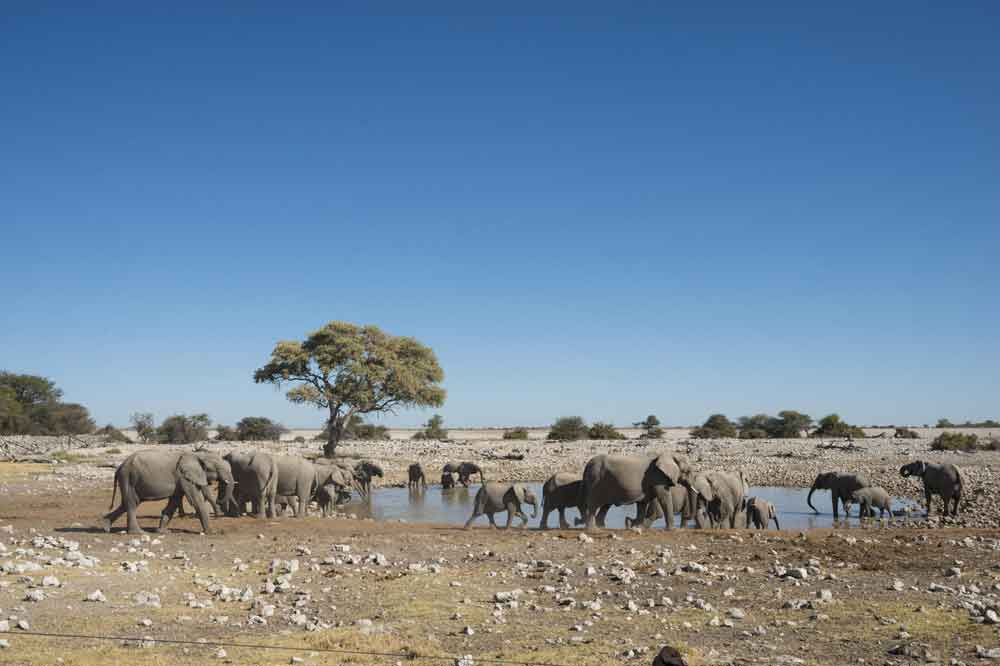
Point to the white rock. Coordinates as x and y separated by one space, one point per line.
96 596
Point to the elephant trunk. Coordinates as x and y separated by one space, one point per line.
534 509
809 498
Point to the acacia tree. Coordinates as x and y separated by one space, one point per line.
349 369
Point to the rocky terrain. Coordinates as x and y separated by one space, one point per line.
927 594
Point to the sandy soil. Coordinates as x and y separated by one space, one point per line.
824 597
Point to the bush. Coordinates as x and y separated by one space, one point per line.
716 426
568 429
258 429
651 428
955 441
226 434
604 431
433 429
905 433
299 440
516 433
788 424
144 426
832 426
113 435
183 429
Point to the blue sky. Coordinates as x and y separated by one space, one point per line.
680 211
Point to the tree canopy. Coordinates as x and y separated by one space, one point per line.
716 426
788 424
32 405
348 369
183 429
569 428
651 426
832 426
258 429
433 429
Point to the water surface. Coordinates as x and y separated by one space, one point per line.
454 506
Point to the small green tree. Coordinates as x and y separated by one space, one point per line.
433 429
755 427
569 428
183 429
832 426
716 426
113 435
145 427
651 427
516 433
944 423
604 431
226 434
955 441
357 429
259 429
348 369
789 424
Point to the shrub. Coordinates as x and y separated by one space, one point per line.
144 426
299 440
516 433
954 441
651 428
114 435
832 426
905 433
258 429
604 431
992 445
433 429
226 434
569 428
183 429
716 426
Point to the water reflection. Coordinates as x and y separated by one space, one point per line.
454 506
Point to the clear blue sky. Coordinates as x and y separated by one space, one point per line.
735 208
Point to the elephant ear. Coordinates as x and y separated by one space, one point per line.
668 466
517 490
702 486
189 468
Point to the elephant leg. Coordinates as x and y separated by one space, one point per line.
776 525
493 522
836 510
602 515
475 514
667 504
168 512
954 498
131 507
563 524
260 507
927 496
512 511
546 510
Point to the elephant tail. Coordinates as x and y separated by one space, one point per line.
114 491
776 525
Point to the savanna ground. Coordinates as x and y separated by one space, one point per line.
822 597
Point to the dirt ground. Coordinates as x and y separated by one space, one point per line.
418 591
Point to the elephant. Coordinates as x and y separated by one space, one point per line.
649 511
296 479
760 512
869 497
719 495
942 479
448 476
560 492
333 486
157 475
620 480
466 470
494 497
363 472
417 477
256 475
840 485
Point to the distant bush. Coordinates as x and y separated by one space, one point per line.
651 427
833 426
905 433
988 423
433 429
32 405
569 428
716 426
113 434
258 429
183 429
299 440
226 434
516 433
955 441
144 426
788 424
603 431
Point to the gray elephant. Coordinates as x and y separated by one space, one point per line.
448 476
870 497
333 486
170 475
494 497
364 471
649 511
841 485
297 480
466 470
760 512
620 480
256 475
560 492
719 496
944 480
417 478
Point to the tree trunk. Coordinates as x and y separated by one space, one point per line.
334 431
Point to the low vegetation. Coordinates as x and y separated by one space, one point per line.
259 429
603 431
568 429
833 426
650 427
32 405
788 424
905 433
716 426
516 433
956 441
433 429
183 429
113 435
988 423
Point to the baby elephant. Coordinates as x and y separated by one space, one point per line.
494 497
760 512
417 477
873 496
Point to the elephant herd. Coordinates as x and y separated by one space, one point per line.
662 486
269 484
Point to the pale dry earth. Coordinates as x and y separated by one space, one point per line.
839 596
